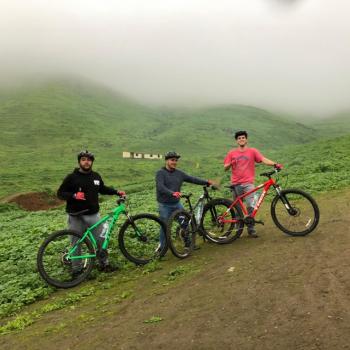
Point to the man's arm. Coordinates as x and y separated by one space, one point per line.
227 161
103 189
227 166
195 180
161 188
65 192
268 161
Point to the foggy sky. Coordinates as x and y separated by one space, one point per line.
293 56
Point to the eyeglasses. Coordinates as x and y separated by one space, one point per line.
173 159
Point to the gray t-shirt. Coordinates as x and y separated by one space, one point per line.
168 182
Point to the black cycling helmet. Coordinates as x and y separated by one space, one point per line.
171 154
87 154
241 133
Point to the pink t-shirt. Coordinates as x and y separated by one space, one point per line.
243 165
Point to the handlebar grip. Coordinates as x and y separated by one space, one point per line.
121 200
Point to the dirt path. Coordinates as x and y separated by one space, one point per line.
274 292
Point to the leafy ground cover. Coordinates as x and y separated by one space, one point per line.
275 292
37 155
309 167
22 232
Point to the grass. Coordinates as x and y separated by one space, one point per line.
44 127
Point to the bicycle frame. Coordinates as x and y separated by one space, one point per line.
204 196
239 199
114 215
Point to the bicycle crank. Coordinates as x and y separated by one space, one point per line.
248 220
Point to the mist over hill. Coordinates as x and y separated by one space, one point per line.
81 113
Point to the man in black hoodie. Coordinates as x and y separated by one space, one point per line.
80 190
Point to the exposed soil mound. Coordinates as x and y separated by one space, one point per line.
34 201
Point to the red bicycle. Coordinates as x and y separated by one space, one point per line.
293 211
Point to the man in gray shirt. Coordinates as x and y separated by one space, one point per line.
168 185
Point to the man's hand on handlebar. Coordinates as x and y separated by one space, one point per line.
121 193
177 194
278 166
212 184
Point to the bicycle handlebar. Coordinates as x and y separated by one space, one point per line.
213 187
121 200
269 173
186 196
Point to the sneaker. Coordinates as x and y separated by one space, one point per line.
108 268
252 234
187 242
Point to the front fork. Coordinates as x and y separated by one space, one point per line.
139 233
284 200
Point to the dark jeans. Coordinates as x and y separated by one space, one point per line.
165 211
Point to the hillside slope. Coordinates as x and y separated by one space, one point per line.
335 125
44 127
307 167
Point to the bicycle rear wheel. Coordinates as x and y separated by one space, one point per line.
213 229
139 238
61 268
180 233
295 212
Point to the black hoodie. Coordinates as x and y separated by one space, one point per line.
91 184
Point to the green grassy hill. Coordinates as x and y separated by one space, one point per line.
42 129
336 125
311 167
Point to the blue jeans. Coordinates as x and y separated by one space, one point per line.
249 200
165 211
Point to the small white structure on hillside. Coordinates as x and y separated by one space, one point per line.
134 155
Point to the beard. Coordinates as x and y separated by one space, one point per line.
85 167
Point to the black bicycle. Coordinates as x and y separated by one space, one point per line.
183 225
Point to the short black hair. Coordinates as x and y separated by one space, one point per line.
241 133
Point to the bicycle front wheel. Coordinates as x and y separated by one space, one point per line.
221 232
62 261
139 238
295 212
180 233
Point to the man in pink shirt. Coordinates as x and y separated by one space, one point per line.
242 163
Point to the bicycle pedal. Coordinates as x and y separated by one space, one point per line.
259 222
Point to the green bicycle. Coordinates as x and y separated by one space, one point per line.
66 257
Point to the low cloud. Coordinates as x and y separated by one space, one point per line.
279 54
